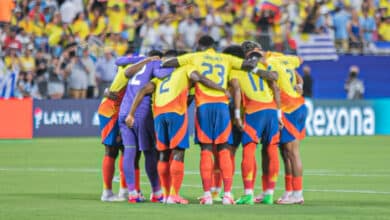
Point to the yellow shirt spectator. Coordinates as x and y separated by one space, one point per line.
384 30
98 25
80 27
116 17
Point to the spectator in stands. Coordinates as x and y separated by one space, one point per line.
214 23
150 37
384 30
188 33
367 23
68 11
27 61
12 60
340 20
354 86
91 71
105 70
166 33
355 33
56 85
307 82
78 77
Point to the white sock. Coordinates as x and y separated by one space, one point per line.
229 194
269 192
207 193
298 194
248 191
107 192
218 189
213 189
133 193
157 193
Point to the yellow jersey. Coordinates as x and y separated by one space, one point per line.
108 107
81 29
171 92
214 66
255 91
285 67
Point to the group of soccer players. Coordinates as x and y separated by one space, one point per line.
243 95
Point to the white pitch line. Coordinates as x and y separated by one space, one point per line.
192 172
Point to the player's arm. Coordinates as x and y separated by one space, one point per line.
276 91
130 71
195 76
171 62
183 60
147 89
237 102
267 75
299 86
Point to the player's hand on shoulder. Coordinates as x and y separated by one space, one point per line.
153 58
130 121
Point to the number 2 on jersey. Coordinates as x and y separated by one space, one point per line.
134 81
219 67
162 89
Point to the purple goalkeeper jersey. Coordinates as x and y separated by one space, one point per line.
136 83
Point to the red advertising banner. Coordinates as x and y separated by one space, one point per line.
15 118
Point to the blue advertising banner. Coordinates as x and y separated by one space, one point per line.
61 118
325 117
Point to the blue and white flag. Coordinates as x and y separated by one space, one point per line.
8 84
316 47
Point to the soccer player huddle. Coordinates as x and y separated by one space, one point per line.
243 96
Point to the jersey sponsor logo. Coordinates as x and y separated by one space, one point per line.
56 117
340 120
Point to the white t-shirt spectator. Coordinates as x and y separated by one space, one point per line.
68 11
166 33
214 22
189 32
150 37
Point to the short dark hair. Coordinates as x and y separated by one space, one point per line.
155 53
170 53
206 41
234 50
249 46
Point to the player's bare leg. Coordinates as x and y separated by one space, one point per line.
108 170
225 164
206 169
163 172
176 173
291 151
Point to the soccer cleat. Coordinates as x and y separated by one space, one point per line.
108 196
156 198
228 200
216 196
123 194
259 198
206 200
268 199
141 196
291 200
134 199
176 200
284 197
245 200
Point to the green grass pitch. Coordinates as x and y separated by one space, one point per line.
59 178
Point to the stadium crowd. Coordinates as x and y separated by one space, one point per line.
67 48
